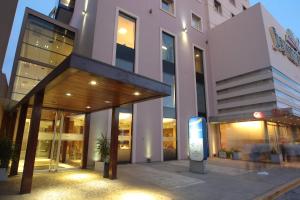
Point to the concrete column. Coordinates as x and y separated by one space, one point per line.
26 182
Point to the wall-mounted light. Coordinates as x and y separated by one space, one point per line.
185 29
84 12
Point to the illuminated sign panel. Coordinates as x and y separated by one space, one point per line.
197 139
288 46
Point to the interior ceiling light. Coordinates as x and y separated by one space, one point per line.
93 82
122 30
164 47
68 94
136 93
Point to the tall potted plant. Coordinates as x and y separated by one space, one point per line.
103 148
6 154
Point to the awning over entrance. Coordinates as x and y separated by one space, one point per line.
284 116
83 85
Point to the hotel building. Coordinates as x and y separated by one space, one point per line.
97 62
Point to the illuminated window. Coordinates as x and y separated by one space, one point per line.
169 139
196 22
125 52
198 56
124 138
168 6
218 6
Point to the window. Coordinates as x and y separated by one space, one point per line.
218 6
168 6
232 2
198 62
125 59
169 103
196 22
125 51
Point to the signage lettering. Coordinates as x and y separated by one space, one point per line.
288 46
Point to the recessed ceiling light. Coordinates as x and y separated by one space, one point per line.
136 93
93 82
122 30
68 94
107 102
88 107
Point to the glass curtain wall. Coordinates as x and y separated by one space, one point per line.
201 102
125 59
43 47
169 103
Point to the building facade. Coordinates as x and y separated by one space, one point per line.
246 89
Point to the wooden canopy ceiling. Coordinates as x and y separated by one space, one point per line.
81 84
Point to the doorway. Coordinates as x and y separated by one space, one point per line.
60 141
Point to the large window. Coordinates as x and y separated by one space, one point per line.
125 51
169 103
125 59
198 62
43 47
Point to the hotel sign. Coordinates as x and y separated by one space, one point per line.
198 148
289 46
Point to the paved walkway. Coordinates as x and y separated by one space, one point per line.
225 180
292 195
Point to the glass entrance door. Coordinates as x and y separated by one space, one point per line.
60 141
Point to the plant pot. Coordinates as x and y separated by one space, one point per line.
106 170
236 155
3 174
276 158
99 166
222 154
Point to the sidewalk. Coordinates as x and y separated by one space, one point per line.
225 180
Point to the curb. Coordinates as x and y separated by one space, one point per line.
277 192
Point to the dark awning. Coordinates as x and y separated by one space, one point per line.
82 84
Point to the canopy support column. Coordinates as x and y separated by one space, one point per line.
26 183
114 145
86 140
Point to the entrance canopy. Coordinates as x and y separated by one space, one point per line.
81 84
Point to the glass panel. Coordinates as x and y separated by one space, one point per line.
198 55
125 53
125 134
170 100
44 46
168 6
169 139
168 48
201 98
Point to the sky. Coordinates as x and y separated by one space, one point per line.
287 12
43 6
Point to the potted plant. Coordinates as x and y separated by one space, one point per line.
276 156
223 153
6 154
236 154
103 149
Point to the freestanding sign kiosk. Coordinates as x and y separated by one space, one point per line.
198 144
